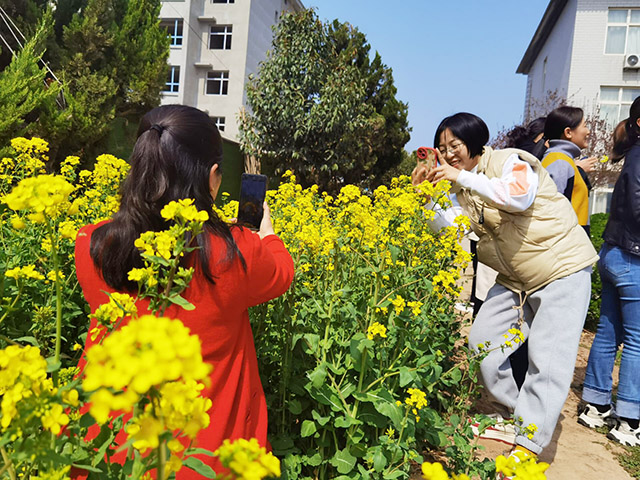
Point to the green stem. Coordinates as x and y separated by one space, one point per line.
162 459
58 288
15 301
8 464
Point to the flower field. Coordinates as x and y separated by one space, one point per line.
364 368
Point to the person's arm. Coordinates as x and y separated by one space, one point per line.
444 217
270 267
514 191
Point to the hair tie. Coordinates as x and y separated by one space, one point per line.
157 128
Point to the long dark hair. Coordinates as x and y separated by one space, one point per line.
624 139
176 148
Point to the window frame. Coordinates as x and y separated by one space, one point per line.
172 82
628 23
220 123
223 78
166 23
620 103
226 34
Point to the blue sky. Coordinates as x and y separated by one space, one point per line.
447 57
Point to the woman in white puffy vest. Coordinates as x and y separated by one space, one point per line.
529 233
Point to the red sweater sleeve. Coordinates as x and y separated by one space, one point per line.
269 267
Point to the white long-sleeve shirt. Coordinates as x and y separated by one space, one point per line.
514 191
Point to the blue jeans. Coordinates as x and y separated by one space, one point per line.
619 324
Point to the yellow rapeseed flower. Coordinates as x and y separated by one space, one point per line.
376 329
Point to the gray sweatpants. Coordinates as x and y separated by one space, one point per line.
553 319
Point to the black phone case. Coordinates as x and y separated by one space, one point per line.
253 189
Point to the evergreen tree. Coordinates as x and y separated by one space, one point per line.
320 107
29 99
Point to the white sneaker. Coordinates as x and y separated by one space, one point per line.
590 417
503 431
624 434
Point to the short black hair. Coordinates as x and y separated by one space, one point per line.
469 128
561 118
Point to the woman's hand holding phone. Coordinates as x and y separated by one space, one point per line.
266 227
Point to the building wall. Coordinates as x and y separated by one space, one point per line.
591 68
550 70
251 21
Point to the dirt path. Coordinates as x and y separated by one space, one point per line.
575 451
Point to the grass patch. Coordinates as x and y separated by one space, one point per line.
630 461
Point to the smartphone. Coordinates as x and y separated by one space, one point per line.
253 189
428 156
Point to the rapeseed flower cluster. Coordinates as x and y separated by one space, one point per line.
376 330
435 471
30 158
521 466
28 271
119 306
179 407
144 354
43 195
247 460
27 392
184 210
100 197
513 336
416 400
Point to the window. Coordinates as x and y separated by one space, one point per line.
173 80
217 83
222 1
220 37
623 31
615 103
174 31
219 121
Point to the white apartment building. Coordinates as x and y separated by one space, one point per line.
588 52
215 45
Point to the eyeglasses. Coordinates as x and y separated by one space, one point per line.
451 149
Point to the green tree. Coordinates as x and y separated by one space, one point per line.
29 102
111 58
317 106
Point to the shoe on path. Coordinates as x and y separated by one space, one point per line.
624 434
503 431
590 417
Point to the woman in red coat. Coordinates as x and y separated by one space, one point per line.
178 154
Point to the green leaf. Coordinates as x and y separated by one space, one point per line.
199 467
198 451
320 420
182 302
30 340
308 428
318 375
346 422
314 460
379 461
295 407
343 461
406 376
52 365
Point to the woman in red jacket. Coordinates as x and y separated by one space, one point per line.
178 154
